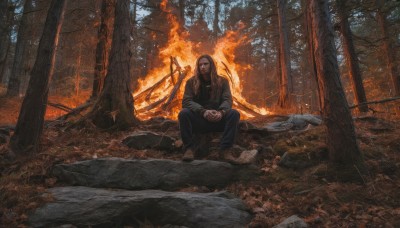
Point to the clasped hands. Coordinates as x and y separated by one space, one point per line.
212 115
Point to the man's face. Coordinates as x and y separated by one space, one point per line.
204 66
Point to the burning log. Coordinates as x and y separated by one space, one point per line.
182 75
246 108
155 104
149 90
228 72
172 70
169 98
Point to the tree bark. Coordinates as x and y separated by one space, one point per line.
316 100
102 49
351 57
345 157
285 82
78 70
6 13
182 12
17 71
388 48
114 107
31 118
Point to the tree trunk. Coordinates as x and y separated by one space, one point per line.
285 82
114 108
345 157
351 57
134 12
389 49
78 70
316 99
216 29
6 14
182 12
31 118
17 71
102 50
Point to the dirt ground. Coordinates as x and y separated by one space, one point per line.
275 194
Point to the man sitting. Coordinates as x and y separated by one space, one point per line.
207 107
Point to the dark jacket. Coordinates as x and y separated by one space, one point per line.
202 101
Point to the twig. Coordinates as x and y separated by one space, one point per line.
359 173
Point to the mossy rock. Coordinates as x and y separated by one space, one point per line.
304 157
296 160
281 147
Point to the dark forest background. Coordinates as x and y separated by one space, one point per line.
374 30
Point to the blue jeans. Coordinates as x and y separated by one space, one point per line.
191 122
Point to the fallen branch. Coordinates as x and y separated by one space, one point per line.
76 110
60 106
375 102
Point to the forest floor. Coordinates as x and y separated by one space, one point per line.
274 195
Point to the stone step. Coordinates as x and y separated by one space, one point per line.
150 174
93 207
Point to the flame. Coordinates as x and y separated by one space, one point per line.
180 47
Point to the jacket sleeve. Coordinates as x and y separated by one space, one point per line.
188 99
226 96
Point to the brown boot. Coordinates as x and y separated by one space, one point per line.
188 155
227 155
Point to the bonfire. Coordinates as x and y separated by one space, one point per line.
161 91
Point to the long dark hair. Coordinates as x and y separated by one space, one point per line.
216 82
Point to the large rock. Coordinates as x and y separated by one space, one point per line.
296 160
149 174
88 207
292 222
149 140
295 122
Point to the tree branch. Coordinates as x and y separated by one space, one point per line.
376 102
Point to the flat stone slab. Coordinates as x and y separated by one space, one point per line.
149 140
149 174
90 207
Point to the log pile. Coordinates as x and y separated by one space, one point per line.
169 101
